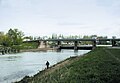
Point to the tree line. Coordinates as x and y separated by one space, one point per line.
14 38
11 40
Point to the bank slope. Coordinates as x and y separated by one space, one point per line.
102 65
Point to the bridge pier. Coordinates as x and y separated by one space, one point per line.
58 46
75 45
94 43
58 42
113 43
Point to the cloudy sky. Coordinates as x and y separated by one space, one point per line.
68 17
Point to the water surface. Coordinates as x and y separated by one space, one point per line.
14 67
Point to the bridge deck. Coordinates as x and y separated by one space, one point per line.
73 40
79 47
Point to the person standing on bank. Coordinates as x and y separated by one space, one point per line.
47 64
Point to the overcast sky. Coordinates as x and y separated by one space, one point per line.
68 17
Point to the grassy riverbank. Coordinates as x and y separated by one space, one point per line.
102 65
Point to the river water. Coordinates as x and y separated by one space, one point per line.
14 67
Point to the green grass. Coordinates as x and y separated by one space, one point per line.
32 45
101 65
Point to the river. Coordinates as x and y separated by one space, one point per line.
14 67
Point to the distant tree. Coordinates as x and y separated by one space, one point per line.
102 37
6 41
80 36
28 38
54 36
93 36
39 38
86 37
60 36
113 37
86 42
1 37
15 36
